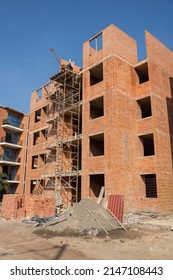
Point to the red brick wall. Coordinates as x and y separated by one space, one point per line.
115 41
123 162
24 206
39 147
22 155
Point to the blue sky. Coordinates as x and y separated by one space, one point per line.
28 28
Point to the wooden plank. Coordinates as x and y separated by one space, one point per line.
108 220
117 220
97 221
101 195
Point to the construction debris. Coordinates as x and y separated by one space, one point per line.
36 220
89 231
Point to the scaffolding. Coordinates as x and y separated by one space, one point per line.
62 168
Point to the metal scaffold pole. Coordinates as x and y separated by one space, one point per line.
63 118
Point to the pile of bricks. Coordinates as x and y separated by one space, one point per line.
25 206
12 206
40 205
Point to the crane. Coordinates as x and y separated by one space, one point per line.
56 56
67 66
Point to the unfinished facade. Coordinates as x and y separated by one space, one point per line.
127 121
109 124
13 144
55 137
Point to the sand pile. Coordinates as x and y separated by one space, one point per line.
85 215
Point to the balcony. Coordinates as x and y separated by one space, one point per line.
9 160
10 142
13 179
14 126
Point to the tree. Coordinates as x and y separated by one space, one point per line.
3 182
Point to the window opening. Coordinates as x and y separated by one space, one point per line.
96 183
145 107
42 160
142 72
10 154
96 74
96 42
97 145
10 171
12 137
42 183
34 162
45 110
32 185
6 170
44 133
150 185
38 115
36 136
96 108
14 120
148 144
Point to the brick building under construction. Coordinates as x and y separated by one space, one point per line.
106 128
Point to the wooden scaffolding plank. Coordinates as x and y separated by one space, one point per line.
97 221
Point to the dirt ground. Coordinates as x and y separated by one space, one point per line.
150 239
